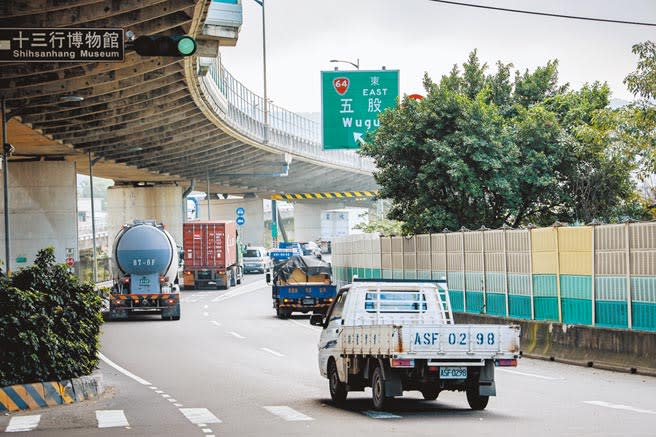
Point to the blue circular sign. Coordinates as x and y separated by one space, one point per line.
240 211
241 220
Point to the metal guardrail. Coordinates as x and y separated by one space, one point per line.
288 132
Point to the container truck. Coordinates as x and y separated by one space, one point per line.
396 336
301 284
213 255
146 260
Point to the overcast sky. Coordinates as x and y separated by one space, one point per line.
417 36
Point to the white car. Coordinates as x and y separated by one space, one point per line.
256 259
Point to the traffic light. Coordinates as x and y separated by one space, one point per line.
165 45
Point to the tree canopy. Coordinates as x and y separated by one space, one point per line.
493 150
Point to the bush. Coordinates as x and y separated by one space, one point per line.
49 324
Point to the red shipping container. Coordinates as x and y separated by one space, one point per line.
210 244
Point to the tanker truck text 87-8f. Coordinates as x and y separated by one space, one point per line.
146 258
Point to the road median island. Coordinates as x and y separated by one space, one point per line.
598 347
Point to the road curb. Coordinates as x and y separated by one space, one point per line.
21 397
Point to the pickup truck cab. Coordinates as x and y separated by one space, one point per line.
396 336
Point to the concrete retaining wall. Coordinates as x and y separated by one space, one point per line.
613 349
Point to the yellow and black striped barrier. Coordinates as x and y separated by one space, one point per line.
47 394
323 196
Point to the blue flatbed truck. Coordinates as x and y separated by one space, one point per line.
301 284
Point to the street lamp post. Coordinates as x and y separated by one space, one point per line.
92 162
264 72
7 149
356 64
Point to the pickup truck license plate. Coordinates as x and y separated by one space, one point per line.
453 373
308 301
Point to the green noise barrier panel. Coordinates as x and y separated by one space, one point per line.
611 314
457 298
474 302
496 304
519 306
644 316
546 308
577 311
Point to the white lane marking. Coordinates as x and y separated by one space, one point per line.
159 392
272 352
111 418
234 334
380 415
287 413
206 430
619 407
205 314
199 415
166 396
172 400
206 307
240 291
23 423
215 323
202 425
178 405
532 375
306 325
153 388
122 370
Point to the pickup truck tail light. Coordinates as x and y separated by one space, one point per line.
395 362
506 362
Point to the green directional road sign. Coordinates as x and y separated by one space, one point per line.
351 103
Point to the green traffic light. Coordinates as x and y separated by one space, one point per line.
186 46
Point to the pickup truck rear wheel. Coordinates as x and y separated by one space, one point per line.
378 390
338 389
475 400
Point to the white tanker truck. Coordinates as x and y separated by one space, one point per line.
146 259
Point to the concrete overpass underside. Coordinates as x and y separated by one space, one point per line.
146 119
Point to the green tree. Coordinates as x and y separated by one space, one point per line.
638 121
384 227
482 150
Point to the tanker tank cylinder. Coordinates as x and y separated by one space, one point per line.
146 249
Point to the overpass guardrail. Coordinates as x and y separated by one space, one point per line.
243 110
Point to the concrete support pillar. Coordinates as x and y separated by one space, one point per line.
160 202
252 232
307 219
42 211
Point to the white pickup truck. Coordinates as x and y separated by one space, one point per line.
396 336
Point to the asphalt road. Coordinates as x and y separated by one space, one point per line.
229 367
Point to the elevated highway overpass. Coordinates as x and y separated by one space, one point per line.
156 119
160 122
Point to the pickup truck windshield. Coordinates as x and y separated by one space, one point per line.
385 301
